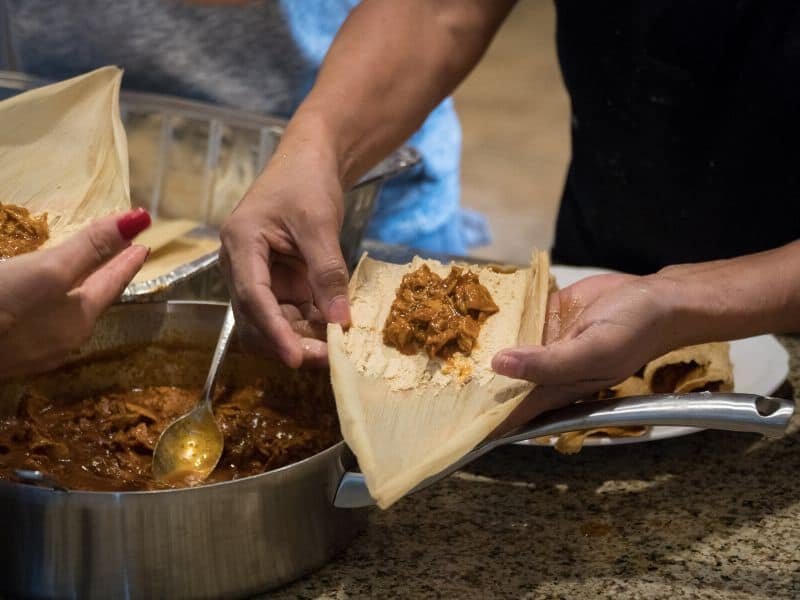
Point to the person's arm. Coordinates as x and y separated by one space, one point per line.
390 65
603 329
740 297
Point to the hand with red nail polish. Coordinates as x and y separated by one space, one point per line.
132 223
50 299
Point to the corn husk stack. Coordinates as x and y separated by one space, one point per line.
704 367
63 151
408 417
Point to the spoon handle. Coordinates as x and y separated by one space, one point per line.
219 354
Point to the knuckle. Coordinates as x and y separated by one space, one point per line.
224 264
320 219
330 274
245 299
228 230
51 271
101 244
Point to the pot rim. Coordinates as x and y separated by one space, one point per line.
319 456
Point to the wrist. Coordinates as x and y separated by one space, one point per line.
694 310
315 131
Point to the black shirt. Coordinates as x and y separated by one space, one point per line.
685 130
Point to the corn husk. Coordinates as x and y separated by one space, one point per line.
407 418
163 232
701 367
63 151
572 441
176 253
694 368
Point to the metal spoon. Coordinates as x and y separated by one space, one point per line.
189 449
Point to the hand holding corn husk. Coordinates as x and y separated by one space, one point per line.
599 332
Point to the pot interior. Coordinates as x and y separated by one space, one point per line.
165 344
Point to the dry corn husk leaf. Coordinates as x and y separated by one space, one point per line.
163 232
408 417
694 368
63 151
689 369
572 441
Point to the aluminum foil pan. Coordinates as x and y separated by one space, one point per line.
193 160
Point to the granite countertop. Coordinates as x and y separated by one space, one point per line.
712 515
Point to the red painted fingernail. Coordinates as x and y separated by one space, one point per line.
133 223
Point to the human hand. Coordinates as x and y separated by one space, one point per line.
598 332
282 260
50 299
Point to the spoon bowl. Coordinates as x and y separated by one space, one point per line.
189 449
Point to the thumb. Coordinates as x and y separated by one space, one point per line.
562 362
103 287
328 277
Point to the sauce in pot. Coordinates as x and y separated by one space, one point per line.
105 442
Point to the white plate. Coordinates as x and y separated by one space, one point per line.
760 366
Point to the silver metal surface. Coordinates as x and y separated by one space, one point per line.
190 447
255 533
179 148
221 349
727 411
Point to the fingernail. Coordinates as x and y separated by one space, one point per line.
508 364
146 248
339 311
133 223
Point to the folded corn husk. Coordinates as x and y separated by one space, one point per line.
408 417
693 368
690 369
63 151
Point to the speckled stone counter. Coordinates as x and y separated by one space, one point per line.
712 515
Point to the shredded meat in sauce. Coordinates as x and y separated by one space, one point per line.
442 316
105 442
20 232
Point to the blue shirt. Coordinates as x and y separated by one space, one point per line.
261 56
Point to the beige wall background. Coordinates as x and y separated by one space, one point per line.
515 115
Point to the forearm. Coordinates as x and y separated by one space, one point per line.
390 65
728 299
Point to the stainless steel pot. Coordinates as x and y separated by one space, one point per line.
246 536
224 540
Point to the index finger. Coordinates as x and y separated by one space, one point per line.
46 274
246 266
97 243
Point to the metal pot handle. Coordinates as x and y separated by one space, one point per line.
726 411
